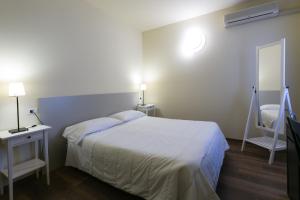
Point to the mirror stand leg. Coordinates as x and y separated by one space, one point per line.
272 156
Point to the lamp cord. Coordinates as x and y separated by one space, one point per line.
38 118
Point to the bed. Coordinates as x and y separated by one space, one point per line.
154 158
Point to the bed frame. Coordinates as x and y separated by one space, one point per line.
60 112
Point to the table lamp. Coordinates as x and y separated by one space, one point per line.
16 90
143 87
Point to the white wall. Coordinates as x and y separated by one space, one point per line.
216 83
59 48
62 47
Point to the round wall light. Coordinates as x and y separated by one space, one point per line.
193 42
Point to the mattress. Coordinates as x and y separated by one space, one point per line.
155 158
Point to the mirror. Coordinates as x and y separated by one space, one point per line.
270 82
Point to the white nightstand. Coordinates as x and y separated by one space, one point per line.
34 134
148 109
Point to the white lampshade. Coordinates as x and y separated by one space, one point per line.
143 86
16 89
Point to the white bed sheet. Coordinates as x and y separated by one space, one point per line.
155 158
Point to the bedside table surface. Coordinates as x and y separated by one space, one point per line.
4 135
146 106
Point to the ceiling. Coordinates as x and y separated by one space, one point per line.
149 14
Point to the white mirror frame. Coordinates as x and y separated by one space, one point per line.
273 143
283 86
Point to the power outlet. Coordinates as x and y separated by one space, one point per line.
31 110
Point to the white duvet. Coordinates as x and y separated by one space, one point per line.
155 158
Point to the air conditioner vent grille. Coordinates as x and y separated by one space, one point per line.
251 14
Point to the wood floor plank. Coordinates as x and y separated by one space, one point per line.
244 176
247 175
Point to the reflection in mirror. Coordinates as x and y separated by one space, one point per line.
269 83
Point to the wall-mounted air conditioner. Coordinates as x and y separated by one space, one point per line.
252 14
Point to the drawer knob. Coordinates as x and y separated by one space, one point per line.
28 137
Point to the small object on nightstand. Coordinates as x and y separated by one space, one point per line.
148 109
143 87
33 135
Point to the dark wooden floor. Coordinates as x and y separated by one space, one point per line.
244 176
248 175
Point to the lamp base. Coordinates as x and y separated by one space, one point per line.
18 130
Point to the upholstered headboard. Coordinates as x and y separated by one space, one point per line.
60 112
269 97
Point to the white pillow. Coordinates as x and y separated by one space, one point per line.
78 131
128 115
270 107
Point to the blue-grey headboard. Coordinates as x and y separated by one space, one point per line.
60 112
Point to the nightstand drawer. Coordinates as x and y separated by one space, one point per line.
26 139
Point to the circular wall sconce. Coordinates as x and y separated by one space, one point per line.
194 41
